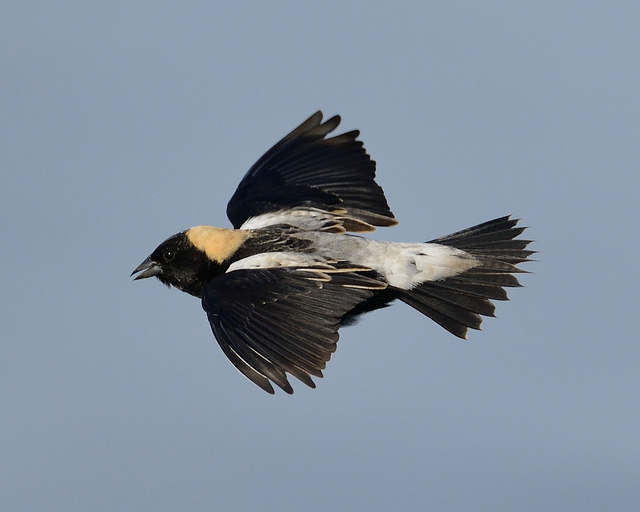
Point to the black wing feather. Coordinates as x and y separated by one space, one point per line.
275 320
305 169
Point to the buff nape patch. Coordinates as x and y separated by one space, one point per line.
219 244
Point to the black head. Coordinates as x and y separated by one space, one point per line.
177 262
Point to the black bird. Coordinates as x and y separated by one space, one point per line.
278 286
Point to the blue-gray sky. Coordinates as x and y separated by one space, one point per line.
125 122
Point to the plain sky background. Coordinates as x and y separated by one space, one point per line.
122 123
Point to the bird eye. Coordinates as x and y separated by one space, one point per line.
168 255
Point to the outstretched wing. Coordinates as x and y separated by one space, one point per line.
308 180
269 321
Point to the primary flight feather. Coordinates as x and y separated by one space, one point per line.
278 286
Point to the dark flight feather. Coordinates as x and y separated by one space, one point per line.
275 320
306 169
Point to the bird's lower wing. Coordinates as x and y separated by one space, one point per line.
274 321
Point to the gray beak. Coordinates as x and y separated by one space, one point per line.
148 268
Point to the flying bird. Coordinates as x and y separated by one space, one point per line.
277 287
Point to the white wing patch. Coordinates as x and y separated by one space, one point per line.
280 259
308 219
337 220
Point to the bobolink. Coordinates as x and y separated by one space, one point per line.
278 286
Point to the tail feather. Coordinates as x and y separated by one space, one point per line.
457 303
495 229
481 305
495 238
489 277
449 318
482 290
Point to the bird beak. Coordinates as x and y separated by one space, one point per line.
148 268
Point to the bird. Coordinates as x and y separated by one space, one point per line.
294 268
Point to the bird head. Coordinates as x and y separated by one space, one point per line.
178 262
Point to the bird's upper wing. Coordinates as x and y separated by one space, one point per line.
312 182
269 321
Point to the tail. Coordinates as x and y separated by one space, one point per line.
457 302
